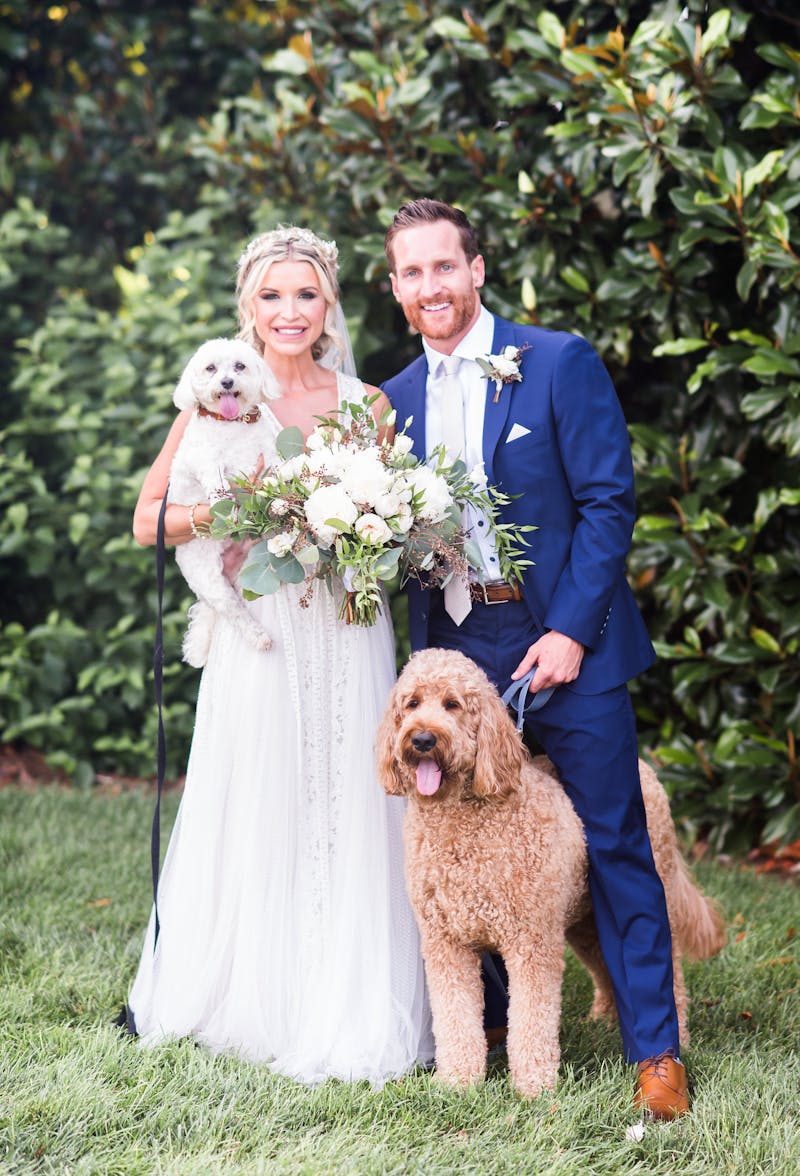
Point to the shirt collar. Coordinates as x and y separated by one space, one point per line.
477 341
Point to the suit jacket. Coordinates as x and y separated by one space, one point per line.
559 441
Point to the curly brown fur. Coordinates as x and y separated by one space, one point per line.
496 859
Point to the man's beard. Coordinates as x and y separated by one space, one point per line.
458 318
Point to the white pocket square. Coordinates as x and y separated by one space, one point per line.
516 432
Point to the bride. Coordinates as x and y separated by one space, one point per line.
285 932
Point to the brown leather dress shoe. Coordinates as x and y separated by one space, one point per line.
661 1088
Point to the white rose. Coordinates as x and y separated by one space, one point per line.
436 495
506 367
329 502
316 440
403 520
365 477
281 544
387 504
402 444
477 475
373 528
293 467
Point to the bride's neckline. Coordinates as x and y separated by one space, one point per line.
267 406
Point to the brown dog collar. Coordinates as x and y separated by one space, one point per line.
249 417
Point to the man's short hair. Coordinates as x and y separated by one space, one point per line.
426 212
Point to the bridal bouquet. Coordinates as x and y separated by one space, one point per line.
350 505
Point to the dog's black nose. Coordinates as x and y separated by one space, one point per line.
227 382
424 741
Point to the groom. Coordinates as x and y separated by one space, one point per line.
556 439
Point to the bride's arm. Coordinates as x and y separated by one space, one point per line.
177 527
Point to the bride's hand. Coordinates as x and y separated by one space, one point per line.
233 558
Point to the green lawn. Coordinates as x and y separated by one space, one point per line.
77 1097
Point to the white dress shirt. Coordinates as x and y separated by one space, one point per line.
478 341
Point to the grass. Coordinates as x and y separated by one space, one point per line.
77 1097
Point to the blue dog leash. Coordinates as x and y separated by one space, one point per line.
517 695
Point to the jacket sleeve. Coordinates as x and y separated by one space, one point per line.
594 449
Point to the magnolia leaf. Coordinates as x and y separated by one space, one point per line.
679 346
717 32
765 640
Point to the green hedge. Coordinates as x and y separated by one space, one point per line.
633 170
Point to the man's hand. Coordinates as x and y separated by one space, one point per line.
557 659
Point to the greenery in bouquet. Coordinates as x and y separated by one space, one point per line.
353 504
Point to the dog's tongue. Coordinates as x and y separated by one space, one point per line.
228 407
429 777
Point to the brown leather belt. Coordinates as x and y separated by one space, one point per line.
495 592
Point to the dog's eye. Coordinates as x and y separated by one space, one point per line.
452 704
239 366
212 367
412 704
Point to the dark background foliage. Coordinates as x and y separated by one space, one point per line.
634 171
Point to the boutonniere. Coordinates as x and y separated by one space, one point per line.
503 368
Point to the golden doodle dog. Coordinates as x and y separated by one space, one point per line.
496 859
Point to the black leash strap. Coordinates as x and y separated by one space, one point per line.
158 682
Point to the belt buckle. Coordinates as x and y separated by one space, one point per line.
491 584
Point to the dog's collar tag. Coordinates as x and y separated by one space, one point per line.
525 704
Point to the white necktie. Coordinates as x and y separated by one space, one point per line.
457 601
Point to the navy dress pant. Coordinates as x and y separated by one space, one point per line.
591 739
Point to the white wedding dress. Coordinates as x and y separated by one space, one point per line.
285 932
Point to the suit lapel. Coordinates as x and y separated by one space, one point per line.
496 413
415 393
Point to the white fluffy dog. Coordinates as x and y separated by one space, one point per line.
225 381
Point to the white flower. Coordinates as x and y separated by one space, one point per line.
373 528
402 444
503 368
387 504
506 367
329 502
403 520
365 477
437 499
281 544
316 440
278 507
477 475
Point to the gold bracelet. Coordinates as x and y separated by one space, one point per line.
196 532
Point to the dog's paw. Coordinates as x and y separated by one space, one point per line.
530 1085
263 641
603 1007
457 1079
197 639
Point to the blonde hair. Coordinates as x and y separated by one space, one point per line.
289 243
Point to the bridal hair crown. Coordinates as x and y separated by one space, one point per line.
288 235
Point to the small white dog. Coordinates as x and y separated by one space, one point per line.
225 381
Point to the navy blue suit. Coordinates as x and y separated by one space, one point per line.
568 464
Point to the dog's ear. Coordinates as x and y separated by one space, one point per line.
389 774
499 753
184 394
